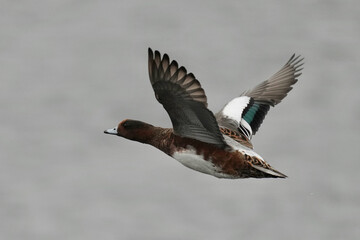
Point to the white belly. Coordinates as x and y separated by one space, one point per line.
190 159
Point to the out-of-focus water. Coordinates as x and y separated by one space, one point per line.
70 69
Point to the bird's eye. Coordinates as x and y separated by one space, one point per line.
125 124
132 124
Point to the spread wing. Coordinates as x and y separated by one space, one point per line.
184 100
246 113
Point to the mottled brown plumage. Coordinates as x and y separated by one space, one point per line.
232 163
218 146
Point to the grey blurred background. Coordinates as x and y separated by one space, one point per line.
70 69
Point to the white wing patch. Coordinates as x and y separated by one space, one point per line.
248 127
234 111
235 107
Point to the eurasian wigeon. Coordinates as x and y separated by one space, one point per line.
218 145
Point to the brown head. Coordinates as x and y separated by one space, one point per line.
133 130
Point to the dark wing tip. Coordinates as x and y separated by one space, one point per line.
150 53
162 70
166 57
295 61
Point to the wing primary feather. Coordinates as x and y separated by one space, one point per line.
183 98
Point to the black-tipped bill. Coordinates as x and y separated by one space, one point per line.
112 131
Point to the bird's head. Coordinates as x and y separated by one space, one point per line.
132 130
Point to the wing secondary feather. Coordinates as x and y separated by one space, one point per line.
246 113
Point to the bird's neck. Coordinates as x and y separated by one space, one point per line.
158 137
162 139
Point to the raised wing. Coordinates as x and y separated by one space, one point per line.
184 100
246 113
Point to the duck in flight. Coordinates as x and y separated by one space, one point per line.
218 145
